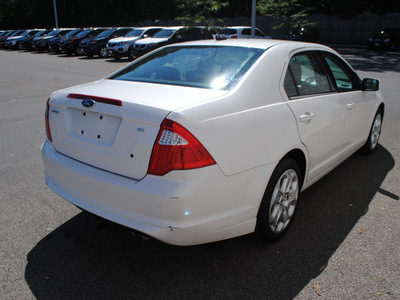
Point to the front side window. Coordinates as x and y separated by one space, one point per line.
305 76
197 66
344 78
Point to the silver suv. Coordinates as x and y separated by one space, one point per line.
121 46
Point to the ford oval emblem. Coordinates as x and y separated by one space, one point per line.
88 103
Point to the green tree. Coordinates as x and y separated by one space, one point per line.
290 14
199 12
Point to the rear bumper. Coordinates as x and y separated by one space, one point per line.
180 208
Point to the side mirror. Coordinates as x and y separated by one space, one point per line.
145 36
370 84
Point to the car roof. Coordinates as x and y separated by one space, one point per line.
254 43
150 27
173 28
238 27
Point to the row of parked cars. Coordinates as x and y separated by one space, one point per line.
110 41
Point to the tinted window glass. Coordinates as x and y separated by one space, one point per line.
204 67
228 31
307 76
290 86
151 32
345 79
246 31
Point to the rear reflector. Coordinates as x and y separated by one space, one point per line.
177 149
96 99
47 122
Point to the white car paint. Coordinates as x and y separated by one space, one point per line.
247 130
121 45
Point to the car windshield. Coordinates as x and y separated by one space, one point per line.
134 33
83 33
166 33
106 33
16 33
54 32
73 32
213 67
40 33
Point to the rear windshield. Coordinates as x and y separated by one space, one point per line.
195 66
227 31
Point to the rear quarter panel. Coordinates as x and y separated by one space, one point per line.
249 127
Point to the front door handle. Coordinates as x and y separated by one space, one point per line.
307 117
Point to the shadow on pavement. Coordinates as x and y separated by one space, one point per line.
363 59
78 262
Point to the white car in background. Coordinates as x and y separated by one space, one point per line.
239 32
121 46
208 140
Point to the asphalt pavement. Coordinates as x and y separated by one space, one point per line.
344 243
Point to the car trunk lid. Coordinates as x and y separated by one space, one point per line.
112 124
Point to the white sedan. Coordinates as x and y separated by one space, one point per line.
209 140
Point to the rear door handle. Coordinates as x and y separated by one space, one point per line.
307 117
350 105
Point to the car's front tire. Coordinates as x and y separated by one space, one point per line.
374 134
279 203
103 53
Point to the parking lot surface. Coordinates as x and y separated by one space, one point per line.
344 243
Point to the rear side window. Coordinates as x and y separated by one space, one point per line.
344 77
305 76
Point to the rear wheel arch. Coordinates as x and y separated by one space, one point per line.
381 108
299 157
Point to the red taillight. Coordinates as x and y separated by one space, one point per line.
46 118
234 37
177 149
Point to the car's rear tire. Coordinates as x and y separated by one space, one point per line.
374 134
131 54
278 206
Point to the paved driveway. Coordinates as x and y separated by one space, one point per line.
344 244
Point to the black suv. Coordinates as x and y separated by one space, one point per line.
27 42
98 44
70 45
52 46
387 39
40 43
